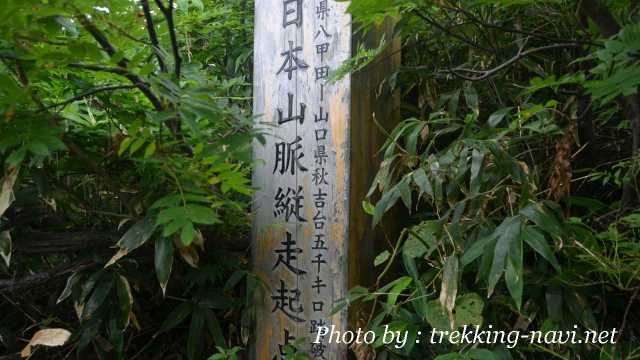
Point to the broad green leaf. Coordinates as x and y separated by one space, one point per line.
471 98
477 160
477 248
195 340
214 328
495 118
176 317
468 310
98 296
72 281
436 315
397 289
187 234
201 214
163 261
422 181
537 213
381 258
508 232
536 240
387 200
413 247
125 300
482 354
514 272
135 237
451 356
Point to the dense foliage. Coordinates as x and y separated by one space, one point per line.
517 160
125 160
125 141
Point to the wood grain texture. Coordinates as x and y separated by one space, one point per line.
323 39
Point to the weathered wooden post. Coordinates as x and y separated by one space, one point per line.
311 238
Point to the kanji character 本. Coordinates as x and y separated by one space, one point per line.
318 260
290 115
322 49
318 284
292 13
319 176
322 10
287 254
318 243
287 340
322 116
289 305
322 72
291 62
315 324
289 203
288 156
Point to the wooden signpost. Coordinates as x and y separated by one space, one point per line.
311 239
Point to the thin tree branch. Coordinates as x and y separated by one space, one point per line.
484 74
168 15
89 93
451 33
123 63
153 37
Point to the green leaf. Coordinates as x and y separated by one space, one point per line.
451 356
468 310
514 273
135 237
537 213
397 289
201 214
5 247
214 328
414 248
98 296
125 301
187 234
368 207
163 261
176 317
508 232
477 248
471 98
387 200
381 258
72 281
422 181
137 234
436 316
482 354
477 160
195 338
536 240
137 144
150 150
495 118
